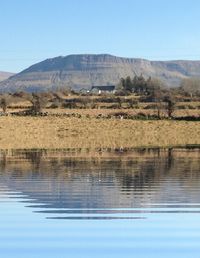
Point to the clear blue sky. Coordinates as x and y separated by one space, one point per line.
33 30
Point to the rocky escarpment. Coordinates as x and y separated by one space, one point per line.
84 71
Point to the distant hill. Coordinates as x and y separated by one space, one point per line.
5 75
84 71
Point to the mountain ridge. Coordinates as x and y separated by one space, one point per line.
5 75
87 70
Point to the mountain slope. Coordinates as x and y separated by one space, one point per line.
5 75
83 71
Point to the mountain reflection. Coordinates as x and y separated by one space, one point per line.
107 184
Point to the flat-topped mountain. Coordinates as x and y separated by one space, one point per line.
85 71
5 75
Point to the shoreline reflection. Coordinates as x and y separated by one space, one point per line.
102 184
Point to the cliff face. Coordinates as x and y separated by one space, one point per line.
83 71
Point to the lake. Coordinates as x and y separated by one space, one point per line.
100 203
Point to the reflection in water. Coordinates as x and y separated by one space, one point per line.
79 184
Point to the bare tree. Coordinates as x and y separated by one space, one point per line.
158 97
155 90
38 102
191 86
171 104
4 102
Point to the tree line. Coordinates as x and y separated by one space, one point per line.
154 90
140 85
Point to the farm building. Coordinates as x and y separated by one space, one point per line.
103 89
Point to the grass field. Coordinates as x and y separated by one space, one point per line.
61 132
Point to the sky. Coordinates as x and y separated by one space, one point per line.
34 30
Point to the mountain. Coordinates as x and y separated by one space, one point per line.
84 71
5 75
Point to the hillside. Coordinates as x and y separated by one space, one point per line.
83 71
5 75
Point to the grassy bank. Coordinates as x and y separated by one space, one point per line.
61 132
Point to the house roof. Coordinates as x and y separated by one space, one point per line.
104 88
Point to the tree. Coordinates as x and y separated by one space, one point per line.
154 85
158 97
4 102
155 92
191 86
128 84
38 102
171 103
141 84
121 85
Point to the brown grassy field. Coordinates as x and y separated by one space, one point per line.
61 132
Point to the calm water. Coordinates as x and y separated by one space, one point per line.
133 203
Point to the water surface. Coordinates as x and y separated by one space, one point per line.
105 203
